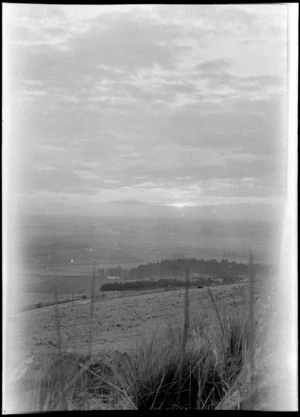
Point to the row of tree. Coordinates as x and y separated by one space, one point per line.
161 283
142 285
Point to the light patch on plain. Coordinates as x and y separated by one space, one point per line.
179 205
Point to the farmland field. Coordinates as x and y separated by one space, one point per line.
50 243
121 318
57 265
122 321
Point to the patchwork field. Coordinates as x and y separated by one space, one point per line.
65 245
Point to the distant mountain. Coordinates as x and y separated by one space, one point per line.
129 208
136 208
128 202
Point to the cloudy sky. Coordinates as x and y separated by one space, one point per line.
166 104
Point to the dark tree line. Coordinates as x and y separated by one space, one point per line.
142 285
169 267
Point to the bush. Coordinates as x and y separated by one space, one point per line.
161 376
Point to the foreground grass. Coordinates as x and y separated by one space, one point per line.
165 372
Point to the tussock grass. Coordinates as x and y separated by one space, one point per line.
50 385
209 368
157 375
185 368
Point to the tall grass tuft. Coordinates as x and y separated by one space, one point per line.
251 320
59 347
159 371
52 385
151 377
186 324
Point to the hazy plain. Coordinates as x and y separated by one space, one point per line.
59 251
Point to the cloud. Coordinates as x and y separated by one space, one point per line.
237 124
122 42
214 66
186 99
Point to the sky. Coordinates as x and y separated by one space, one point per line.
167 104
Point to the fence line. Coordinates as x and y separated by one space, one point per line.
92 309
